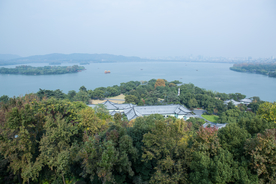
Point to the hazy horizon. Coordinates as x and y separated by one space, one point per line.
152 28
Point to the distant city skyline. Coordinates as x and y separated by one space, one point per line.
143 28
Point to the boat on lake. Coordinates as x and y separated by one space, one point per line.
107 71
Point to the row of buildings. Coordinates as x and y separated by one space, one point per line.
133 111
179 111
245 101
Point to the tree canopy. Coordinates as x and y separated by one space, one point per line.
53 137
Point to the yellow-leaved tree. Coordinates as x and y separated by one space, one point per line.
91 123
159 82
267 111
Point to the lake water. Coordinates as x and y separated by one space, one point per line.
211 76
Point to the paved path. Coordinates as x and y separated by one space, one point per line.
212 124
199 113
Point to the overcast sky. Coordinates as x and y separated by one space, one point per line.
144 28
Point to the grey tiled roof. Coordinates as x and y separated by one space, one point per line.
132 113
161 109
246 100
110 105
114 106
136 111
233 101
217 125
112 113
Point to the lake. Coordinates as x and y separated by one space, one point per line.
211 76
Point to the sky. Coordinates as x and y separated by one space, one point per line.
143 28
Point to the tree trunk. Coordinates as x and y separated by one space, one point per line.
63 179
19 178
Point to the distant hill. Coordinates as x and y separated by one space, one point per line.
5 57
93 58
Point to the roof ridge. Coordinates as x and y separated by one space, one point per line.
159 105
136 112
128 110
113 104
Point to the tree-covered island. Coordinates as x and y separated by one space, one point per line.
46 70
259 68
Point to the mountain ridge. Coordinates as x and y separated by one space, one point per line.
74 57
78 56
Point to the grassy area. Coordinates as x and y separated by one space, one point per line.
101 101
212 118
121 96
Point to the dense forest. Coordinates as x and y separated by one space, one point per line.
157 92
53 137
46 70
259 68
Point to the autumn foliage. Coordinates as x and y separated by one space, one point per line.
159 82
268 111
262 151
55 140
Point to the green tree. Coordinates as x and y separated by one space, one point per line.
99 94
142 125
82 96
176 82
209 162
233 115
172 98
71 94
6 176
232 138
262 150
23 127
83 88
192 103
58 94
20 136
207 170
131 99
107 157
112 91
255 125
166 143
55 146
4 99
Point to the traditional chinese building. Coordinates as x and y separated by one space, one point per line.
132 111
